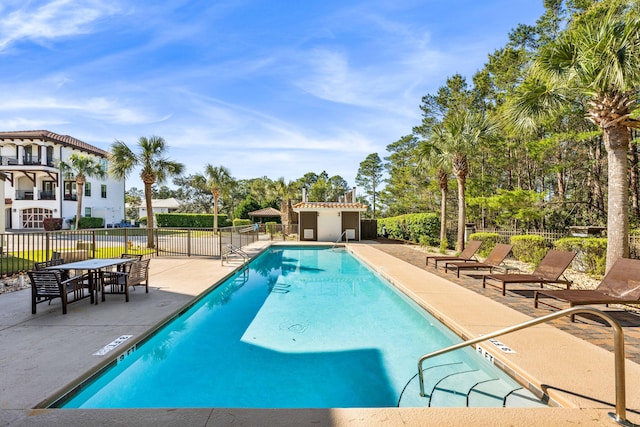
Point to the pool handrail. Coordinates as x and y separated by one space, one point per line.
618 351
344 233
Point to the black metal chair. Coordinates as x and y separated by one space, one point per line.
47 285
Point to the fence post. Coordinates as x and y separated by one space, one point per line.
93 244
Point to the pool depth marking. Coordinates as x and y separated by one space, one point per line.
113 344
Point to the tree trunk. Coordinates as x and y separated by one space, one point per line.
215 212
80 192
461 179
150 218
616 140
633 179
443 219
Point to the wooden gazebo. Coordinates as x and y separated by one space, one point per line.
259 215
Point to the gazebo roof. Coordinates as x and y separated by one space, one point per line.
266 212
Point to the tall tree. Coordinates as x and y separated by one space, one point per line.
218 180
78 167
598 57
154 167
458 137
432 159
370 177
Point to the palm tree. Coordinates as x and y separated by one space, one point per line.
218 179
596 60
78 167
286 191
456 138
155 167
431 158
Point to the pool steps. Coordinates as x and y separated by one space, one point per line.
458 385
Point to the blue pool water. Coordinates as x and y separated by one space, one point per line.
301 327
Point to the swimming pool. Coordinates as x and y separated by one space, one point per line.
301 327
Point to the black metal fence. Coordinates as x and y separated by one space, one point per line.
20 250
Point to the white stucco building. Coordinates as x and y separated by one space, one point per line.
36 189
329 221
159 206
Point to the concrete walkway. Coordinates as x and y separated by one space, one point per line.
520 298
42 354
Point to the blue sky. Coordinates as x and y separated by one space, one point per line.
264 87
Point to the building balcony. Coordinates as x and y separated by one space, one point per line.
7 160
24 194
26 161
31 161
47 195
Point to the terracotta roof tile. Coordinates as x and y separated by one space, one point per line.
64 140
329 205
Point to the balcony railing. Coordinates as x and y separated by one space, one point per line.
24 194
31 161
73 197
47 195
7 160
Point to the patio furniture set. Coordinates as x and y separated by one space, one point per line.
621 284
75 281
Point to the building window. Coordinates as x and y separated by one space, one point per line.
103 191
70 190
87 189
32 218
87 212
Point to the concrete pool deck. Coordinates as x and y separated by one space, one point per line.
42 354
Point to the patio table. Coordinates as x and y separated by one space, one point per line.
94 267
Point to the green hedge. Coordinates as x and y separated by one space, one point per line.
592 252
423 228
187 220
529 248
271 227
90 222
238 222
489 241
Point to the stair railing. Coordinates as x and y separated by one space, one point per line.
344 233
618 352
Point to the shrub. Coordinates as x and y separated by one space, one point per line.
272 227
529 248
423 228
489 241
51 224
238 222
592 253
187 220
90 222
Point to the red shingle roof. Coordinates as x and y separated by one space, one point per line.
329 205
45 135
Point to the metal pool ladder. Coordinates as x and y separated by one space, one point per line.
344 233
620 415
235 250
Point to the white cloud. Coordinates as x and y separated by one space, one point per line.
42 21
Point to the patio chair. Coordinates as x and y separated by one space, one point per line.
51 263
137 257
621 285
136 273
47 285
467 254
550 271
494 260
